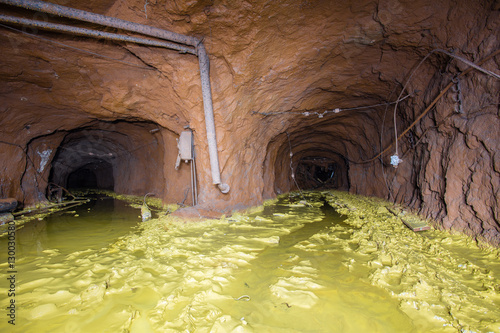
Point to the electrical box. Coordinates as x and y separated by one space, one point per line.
185 146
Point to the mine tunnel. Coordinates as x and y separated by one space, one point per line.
314 165
311 162
82 163
385 98
317 154
94 175
104 156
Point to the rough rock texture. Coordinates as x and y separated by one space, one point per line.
85 111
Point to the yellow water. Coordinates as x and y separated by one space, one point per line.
285 267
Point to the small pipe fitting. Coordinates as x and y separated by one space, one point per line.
224 188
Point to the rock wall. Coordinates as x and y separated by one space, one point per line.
302 93
457 178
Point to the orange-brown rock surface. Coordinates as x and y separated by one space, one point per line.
85 112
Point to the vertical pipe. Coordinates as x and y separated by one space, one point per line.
193 174
192 185
209 117
195 182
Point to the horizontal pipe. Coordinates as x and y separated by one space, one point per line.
81 15
93 33
108 21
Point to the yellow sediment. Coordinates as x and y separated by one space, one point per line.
284 267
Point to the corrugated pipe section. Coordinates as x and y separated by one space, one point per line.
185 44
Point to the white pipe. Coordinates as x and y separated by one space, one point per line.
193 162
93 33
77 14
81 15
209 117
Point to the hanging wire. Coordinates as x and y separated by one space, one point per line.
293 172
427 109
324 113
395 160
382 145
469 63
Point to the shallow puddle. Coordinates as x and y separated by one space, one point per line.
290 266
93 225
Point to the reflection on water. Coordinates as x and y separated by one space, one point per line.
286 267
89 226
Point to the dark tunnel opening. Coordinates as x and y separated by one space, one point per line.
325 173
109 156
315 172
322 154
322 172
308 160
86 159
82 178
95 175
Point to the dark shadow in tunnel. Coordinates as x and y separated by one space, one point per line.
91 157
82 178
87 159
307 161
319 172
325 173
95 175
126 157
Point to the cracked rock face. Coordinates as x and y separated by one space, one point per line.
302 94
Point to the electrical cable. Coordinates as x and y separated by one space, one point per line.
293 172
336 110
428 108
395 158
391 196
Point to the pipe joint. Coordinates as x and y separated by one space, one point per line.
224 188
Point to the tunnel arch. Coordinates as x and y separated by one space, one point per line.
325 169
311 146
302 157
119 156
